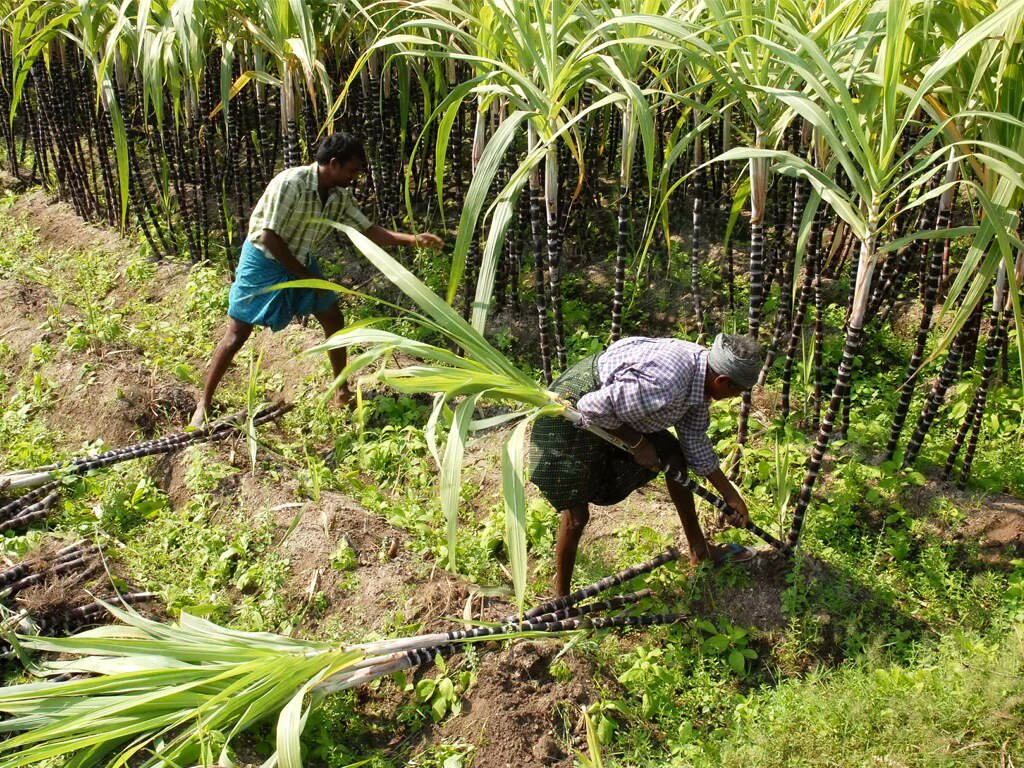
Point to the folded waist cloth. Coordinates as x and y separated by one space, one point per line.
275 309
572 466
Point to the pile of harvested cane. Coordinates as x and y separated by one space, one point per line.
52 590
46 481
168 687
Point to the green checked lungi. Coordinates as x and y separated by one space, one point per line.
572 466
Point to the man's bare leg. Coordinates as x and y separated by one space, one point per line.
570 529
234 338
331 321
682 497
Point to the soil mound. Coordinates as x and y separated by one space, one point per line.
518 715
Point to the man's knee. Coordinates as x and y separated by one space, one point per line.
576 518
236 336
331 319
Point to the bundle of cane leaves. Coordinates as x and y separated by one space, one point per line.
159 695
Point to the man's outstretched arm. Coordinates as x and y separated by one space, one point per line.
386 237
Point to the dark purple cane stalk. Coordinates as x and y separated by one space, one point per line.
539 263
758 183
85 565
981 395
601 585
972 419
854 339
796 330
937 395
931 290
67 621
699 183
421 656
18 505
784 321
13 574
621 239
215 430
31 514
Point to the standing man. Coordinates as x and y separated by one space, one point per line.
636 389
287 225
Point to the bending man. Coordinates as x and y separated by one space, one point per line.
283 237
636 389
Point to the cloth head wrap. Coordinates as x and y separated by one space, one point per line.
741 371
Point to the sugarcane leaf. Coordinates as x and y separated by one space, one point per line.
476 196
514 497
504 209
430 431
451 474
446 320
290 724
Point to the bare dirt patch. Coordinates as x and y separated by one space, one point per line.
113 398
59 226
518 715
755 604
354 565
993 524
998 529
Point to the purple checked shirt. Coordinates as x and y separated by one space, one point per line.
650 385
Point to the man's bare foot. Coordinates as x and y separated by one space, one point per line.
199 416
718 555
342 397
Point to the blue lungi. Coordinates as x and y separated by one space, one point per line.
275 309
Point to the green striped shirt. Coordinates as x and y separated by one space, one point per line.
290 206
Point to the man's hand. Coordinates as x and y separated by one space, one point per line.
646 456
739 516
427 240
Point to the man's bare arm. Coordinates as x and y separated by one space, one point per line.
283 254
386 237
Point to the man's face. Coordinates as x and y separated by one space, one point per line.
722 388
346 174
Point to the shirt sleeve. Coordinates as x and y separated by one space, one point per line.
350 213
692 430
632 398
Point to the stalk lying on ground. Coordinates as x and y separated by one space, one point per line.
213 431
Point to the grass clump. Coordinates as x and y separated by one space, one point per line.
961 705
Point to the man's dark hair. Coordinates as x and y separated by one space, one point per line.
342 147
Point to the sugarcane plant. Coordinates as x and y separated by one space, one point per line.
866 146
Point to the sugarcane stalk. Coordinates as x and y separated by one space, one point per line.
758 194
417 656
931 289
215 430
937 395
31 514
539 268
844 376
973 417
622 232
698 203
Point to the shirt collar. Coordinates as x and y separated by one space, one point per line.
311 179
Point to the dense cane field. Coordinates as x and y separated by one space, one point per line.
841 179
